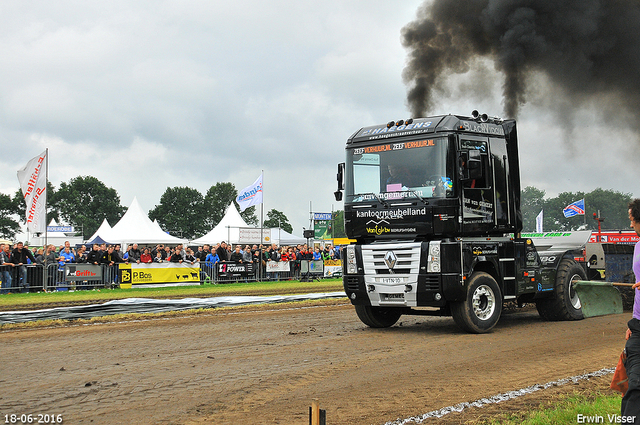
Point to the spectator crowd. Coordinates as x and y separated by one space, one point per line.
14 259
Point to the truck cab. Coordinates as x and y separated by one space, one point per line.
434 206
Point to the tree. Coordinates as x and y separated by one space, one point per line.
181 212
85 202
218 198
531 203
277 219
8 226
611 204
338 224
613 207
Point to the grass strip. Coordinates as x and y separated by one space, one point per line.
594 407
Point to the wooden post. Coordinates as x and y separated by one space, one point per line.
315 412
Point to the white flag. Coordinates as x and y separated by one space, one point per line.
539 222
250 195
33 182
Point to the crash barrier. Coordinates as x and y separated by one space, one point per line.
90 276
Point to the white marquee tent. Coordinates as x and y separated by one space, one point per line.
227 230
136 227
102 232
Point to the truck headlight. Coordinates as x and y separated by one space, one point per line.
433 260
351 260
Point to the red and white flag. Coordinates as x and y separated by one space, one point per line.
33 182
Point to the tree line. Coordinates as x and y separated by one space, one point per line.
85 201
612 206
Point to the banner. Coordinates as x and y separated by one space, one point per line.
233 269
322 226
82 272
252 235
576 208
33 182
333 268
278 266
160 273
250 195
539 219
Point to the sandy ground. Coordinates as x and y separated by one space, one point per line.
264 366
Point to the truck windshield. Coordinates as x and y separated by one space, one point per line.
413 169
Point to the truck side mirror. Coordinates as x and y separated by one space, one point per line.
340 176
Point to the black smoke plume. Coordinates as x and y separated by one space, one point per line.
588 49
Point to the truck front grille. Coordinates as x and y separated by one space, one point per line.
407 258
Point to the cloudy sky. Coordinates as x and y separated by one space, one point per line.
150 95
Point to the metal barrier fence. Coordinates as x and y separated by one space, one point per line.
30 278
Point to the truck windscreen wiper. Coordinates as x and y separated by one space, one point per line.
382 201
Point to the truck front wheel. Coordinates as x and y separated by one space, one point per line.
564 305
480 312
378 317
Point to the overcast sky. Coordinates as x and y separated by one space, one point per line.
150 95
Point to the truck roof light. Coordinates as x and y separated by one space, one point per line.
390 124
409 121
399 123
475 114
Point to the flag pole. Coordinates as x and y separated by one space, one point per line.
46 239
261 225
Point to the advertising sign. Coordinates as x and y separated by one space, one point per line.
160 273
60 229
322 225
313 267
278 266
333 268
82 272
252 235
233 269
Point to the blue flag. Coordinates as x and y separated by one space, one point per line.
577 208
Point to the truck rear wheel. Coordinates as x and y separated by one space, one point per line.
480 312
378 317
565 304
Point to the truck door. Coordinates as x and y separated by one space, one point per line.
478 202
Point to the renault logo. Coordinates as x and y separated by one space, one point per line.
390 259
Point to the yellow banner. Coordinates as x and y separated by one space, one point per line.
333 263
160 273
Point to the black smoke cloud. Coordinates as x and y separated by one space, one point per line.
587 49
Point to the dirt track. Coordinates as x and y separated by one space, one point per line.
265 366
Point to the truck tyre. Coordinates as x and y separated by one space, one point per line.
564 304
378 317
480 312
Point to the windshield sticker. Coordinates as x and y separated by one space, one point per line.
395 146
398 214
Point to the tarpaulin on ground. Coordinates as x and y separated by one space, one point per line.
147 305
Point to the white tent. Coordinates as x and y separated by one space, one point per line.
282 238
103 231
227 230
136 227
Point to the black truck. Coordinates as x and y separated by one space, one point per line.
434 206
